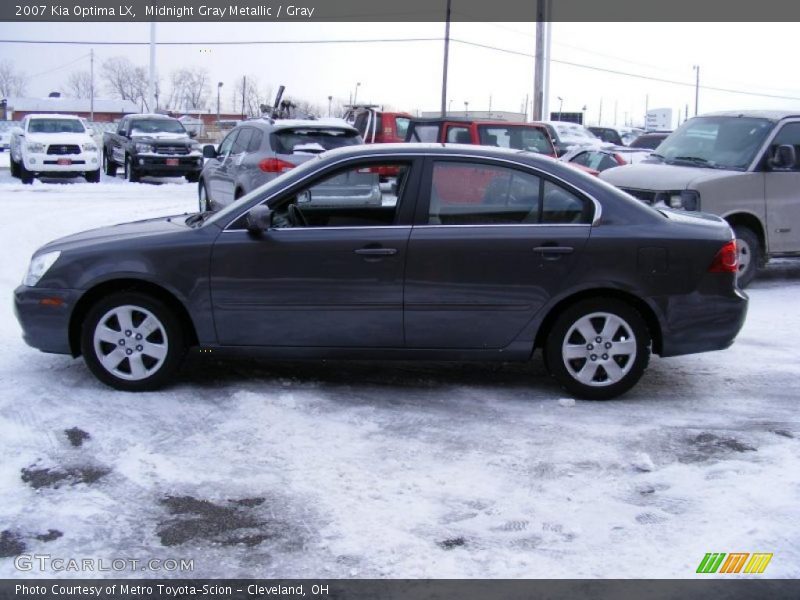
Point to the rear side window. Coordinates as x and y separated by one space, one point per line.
531 139
401 126
561 206
312 140
425 133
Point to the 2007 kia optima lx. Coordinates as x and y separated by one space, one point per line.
473 253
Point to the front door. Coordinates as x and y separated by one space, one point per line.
782 192
329 273
482 262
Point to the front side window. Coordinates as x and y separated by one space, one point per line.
366 195
716 142
242 140
458 135
425 133
788 135
227 143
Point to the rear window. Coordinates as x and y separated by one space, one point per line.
312 140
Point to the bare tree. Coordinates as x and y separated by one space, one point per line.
11 82
126 80
190 87
79 84
254 95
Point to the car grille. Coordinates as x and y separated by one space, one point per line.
181 149
645 196
61 149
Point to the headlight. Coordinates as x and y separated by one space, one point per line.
90 147
196 147
681 199
144 147
35 147
39 266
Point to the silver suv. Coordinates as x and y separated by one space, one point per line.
740 165
258 150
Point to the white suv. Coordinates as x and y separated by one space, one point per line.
54 146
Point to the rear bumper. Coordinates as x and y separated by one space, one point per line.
701 322
44 317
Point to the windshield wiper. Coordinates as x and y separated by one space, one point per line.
692 159
197 219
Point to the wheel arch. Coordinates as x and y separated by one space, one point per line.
647 312
92 295
752 222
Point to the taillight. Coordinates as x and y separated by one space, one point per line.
275 165
726 260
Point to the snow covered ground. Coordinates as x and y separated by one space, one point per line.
262 469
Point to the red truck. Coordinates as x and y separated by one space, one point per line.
378 126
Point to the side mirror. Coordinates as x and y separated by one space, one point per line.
192 134
785 157
259 219
89 131
209 151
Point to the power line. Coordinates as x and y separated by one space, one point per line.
72 62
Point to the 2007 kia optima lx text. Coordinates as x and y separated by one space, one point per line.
473 253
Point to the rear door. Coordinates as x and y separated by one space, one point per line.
216 176
477 272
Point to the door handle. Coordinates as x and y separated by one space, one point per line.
376 251
554 249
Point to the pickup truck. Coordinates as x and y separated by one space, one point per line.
740 165
53 145
155 145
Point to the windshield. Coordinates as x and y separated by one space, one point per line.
518 137
56 126
716 142
222 217
156 126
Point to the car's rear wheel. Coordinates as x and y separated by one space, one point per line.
598 349
14 167
131 174
132 341
749 250
93 176
109 166
193 177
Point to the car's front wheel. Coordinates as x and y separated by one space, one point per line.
598 349
93 176
109 166
131 174
132 341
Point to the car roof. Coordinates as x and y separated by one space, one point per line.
151 116
277 124
398 149
773 115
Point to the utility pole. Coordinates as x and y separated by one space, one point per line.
490 106
600 113
696 88
219 88
646 108
527 120
91 85
151 82
244 93
538 64
445 61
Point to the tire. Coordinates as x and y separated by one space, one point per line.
203 203
25 175
126 362
131 174
93 176
14 167
193 177
750 256
109 166
578 361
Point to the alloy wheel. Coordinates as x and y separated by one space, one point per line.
599 349
130 342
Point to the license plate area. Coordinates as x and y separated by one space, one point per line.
64 161
172 162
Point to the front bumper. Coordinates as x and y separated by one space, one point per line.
44 316
48 163
701 322
160 164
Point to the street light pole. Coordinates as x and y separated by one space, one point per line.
355 95
696 88
446 58
466 108
330 99
560 106
219 87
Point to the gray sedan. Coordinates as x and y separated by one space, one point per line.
475 254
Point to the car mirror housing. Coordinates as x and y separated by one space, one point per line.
785 157
209 151
192 134
259 219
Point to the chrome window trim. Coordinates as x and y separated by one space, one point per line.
598 208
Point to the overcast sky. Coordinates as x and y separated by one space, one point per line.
752 57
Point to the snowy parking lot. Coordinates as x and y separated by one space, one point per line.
253 468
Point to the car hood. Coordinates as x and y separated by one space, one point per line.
160 137
113 233
661 177
59 138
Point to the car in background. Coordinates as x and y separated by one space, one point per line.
378 126
567 135
259 150
596 160
530 137
53 145
619 136
650 140
546 258
740 165
5 136
151 145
